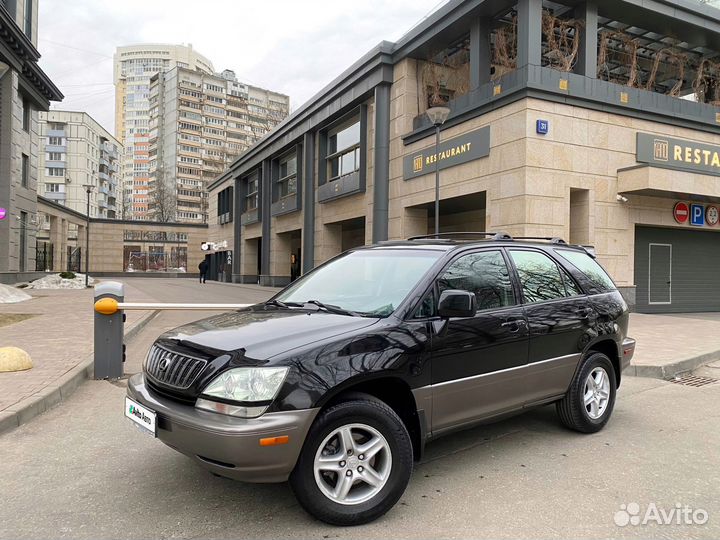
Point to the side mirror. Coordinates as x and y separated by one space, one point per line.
456 303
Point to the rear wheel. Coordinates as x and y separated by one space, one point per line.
589 401
355 464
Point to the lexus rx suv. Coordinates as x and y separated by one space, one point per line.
339 381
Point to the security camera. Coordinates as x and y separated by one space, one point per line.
621 198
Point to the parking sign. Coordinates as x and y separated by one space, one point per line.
697 215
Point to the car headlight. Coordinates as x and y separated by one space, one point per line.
246 392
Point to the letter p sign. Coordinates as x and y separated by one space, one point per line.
697 215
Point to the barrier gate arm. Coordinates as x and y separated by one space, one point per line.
110 307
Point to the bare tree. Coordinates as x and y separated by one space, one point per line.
162 197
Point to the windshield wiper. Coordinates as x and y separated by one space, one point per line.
333 309
284 305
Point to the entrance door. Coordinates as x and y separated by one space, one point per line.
660 274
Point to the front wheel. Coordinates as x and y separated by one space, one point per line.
355 464
589 401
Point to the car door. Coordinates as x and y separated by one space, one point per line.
559 316
477 361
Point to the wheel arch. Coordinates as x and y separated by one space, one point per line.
394 392
609 348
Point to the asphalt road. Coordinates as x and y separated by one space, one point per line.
82 470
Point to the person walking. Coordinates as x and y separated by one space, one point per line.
203 267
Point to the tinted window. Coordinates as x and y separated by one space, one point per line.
587 265
572 288
539 276
485 274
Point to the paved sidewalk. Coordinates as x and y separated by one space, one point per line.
59 339
668 345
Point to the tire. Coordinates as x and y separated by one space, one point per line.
574 412
369 421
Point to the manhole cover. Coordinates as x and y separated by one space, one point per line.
693 380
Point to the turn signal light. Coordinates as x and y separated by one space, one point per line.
272 441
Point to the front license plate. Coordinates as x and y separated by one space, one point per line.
142 416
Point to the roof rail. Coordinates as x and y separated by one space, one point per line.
462 235
552 240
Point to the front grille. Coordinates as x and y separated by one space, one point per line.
173 369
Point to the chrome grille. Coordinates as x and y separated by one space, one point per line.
173 369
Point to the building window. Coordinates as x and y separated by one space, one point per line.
26 112
225 202
55 141
251 199
344 150
25 178
54 188
55 171
55 156
28 18
287 180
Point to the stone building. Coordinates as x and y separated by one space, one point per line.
24 91
595 122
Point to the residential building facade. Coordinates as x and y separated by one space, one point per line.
134 65
199 123
557 128
24 91
77 153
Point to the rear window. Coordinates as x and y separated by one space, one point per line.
587 265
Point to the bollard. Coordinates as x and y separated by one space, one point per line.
109 332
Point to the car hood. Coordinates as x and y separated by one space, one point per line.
263 333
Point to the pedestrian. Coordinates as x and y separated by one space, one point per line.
203 267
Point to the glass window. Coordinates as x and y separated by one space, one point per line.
252 193
344 150
588 266
26 114
287 181
485 274
25 179
370 282
540 276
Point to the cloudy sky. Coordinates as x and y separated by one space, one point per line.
291 46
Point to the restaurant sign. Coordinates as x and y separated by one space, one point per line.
461 149
680 154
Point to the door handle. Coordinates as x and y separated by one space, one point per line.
514 325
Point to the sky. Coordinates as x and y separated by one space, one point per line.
291 46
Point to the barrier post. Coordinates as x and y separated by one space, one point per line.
109 330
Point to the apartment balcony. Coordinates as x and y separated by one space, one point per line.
55 148
55 164
55 196
56 133
103 176
102 204
104 161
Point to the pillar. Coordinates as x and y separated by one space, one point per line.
529 47
381 167
586 63
480 60
308 202
265 216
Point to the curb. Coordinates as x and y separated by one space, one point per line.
669 371
25 410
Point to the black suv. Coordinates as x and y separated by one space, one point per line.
340 380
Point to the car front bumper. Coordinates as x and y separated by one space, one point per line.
227 445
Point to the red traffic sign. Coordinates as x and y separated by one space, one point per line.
681 212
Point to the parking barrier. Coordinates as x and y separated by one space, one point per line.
110 307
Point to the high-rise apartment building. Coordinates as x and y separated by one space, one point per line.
24 90
199 123
76 153
134 65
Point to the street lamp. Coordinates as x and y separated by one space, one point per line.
437 116
88 190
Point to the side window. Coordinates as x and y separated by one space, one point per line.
540 277
588 266
572 288
485 274
426 307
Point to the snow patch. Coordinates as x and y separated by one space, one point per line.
54 281
11 295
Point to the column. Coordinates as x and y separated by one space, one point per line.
529 34
265 207
480 60
586 63
237 229
381 168
308 201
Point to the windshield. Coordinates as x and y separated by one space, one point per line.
369 282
